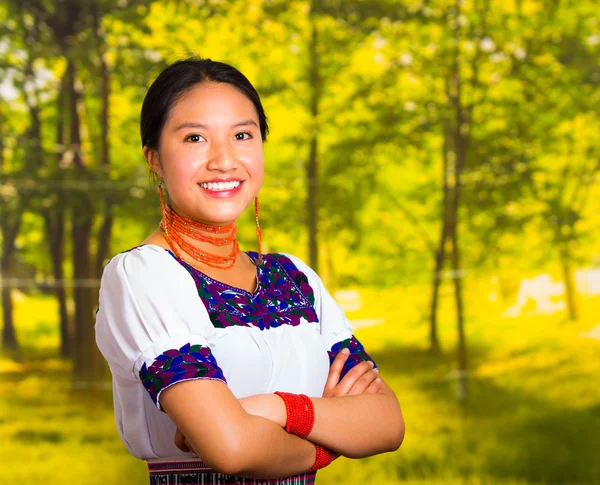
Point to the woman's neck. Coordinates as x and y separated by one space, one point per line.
215 246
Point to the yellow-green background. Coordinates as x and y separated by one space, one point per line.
392 79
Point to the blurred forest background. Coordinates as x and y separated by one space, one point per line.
436 161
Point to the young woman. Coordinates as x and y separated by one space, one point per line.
271 383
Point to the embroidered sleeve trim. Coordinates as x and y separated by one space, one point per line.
357 355
175 365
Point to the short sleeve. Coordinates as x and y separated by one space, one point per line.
336 329
151 325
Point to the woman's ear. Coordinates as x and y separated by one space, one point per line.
151 156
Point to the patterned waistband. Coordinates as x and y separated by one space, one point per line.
196 472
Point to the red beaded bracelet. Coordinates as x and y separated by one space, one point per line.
300 419
300 413
324 457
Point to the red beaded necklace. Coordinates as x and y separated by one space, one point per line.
175 226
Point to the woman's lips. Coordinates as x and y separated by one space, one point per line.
222 193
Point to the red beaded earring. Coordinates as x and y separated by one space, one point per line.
259 260
163 223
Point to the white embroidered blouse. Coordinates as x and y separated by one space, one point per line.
160 321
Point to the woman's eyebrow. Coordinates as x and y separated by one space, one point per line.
193 124
246 123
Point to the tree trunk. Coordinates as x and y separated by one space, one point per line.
10 229
569 281
434 341
55 233
87 368
312 201
54 218
331 275
9 338
461 385
84 346
33 159
440 256
105 231
104 236
460 144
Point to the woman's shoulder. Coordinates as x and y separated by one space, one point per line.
141 252
302 274
140 262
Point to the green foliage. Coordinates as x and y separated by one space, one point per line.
529 81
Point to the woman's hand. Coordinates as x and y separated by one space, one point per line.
182 443
269 406
362 378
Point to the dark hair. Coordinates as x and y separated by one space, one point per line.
176 79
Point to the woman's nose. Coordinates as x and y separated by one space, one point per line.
221 157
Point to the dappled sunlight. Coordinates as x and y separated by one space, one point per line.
543 295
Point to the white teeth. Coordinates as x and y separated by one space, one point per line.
219 186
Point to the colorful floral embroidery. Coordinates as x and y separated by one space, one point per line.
297 276
357 354
189 362
283 296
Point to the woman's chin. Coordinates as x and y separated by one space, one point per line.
219 216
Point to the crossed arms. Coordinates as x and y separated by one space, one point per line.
356 417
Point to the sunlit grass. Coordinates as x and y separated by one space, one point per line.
532 414
532 409
49 434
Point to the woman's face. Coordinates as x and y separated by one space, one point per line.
210 155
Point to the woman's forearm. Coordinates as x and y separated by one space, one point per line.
270 452
230 440
353 426
360 425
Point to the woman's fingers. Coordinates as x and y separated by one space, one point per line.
352 377
180 441
187 443
363 383
373 387
361 378
335 370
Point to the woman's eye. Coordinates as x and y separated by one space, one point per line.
194 138
240 136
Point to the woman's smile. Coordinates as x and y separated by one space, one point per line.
222 189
